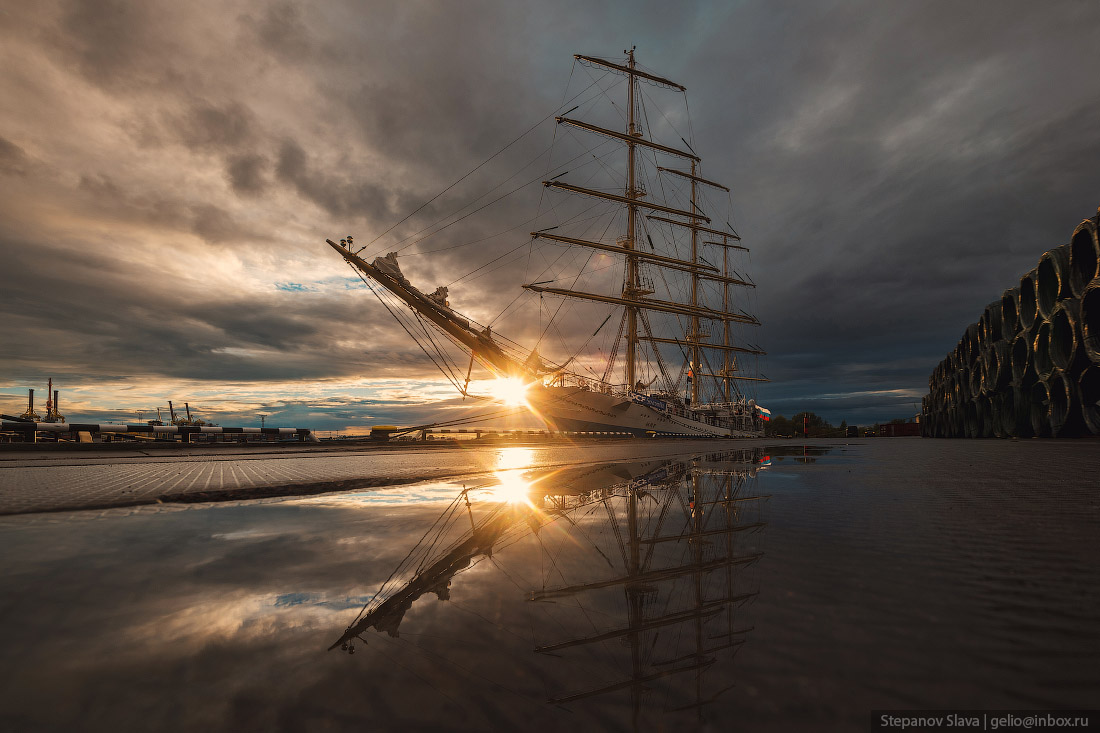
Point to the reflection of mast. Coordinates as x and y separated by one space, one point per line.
436 577
583 486
652 576
640 582
706 492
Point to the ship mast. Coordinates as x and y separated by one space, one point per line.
631 291
633 298
726 325
694 334
637 291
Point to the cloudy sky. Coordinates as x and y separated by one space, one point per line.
169 173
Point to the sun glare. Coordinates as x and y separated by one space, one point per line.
510 391
512 488
512 463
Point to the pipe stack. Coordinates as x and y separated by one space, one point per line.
1030 366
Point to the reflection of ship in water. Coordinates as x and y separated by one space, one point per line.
641 569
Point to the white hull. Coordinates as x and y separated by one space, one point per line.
581 410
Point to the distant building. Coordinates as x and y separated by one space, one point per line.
897 430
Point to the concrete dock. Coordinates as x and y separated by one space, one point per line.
51 481
896 574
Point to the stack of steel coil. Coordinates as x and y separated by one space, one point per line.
1030 366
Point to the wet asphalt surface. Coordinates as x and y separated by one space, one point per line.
893 574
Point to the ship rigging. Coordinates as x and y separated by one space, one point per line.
658 550
679 301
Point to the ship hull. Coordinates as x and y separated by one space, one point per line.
578 410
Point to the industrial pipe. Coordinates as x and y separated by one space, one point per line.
1039 409
992 315
996 419
983 331
1064 343
1041 351
1032 334
1084 257
985 417
1010 317
1027 307
1052 281
1089 323
992 371
975 380
970 419
970 343
1017 413
1064 413
1000 370
1023 373
1088 393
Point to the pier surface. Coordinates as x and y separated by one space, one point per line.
51 481
896 574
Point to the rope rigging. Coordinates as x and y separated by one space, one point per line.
633 187
477 167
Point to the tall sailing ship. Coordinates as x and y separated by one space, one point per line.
678 301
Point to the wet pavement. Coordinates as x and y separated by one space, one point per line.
640 594
60 480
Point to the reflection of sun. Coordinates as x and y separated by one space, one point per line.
510 458
512 489
511 463
510 391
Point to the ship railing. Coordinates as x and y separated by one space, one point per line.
592 385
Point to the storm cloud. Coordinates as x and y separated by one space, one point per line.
168 175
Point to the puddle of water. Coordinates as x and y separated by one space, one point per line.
612 596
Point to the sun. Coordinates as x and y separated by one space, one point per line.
511 391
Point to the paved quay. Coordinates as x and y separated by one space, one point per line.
51 481
897 573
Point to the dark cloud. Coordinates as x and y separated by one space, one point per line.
282 32
115 43
12 158
247 173
214 224
165 328
893 169
207 126
109 200
209 221
341 192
